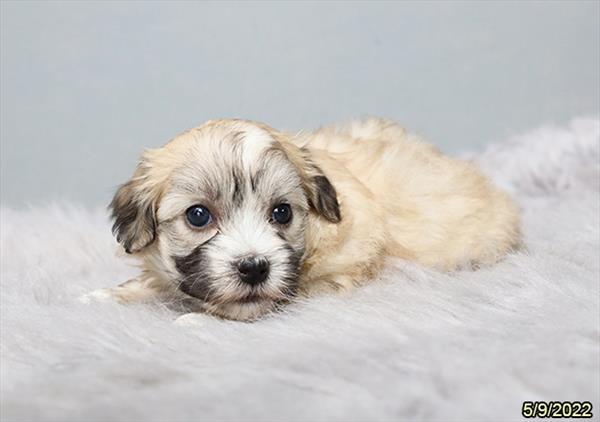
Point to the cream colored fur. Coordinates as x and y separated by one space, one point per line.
401 197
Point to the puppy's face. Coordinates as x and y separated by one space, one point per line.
221 211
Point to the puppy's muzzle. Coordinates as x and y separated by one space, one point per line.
253 270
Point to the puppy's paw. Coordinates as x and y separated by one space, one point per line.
192 319
98 296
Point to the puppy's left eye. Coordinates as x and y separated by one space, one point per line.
198 216
282 213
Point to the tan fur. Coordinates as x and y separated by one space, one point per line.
401 197
398 196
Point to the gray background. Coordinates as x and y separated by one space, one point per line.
85 86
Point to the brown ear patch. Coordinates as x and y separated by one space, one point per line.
323 198
321 194
135 223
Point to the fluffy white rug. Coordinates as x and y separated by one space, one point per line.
415 344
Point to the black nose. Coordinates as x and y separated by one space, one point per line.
253 270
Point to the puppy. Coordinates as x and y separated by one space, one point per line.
235 218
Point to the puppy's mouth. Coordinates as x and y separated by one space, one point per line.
242 306
252 298
247 308
237 297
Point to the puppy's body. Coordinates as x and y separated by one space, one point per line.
358 193
403 198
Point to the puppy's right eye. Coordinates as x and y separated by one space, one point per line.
198 216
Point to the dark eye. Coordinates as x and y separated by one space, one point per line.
282 213
198 215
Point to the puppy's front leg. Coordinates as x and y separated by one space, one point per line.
327 284
136 290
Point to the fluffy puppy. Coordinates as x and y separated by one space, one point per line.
234 218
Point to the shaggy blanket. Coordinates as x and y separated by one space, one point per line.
415 344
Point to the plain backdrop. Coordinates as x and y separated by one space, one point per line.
85 86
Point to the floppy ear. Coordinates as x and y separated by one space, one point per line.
322 196
134 213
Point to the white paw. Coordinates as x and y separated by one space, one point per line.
193 319
97 296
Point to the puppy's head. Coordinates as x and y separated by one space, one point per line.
221 212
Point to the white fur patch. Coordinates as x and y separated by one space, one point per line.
256 141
